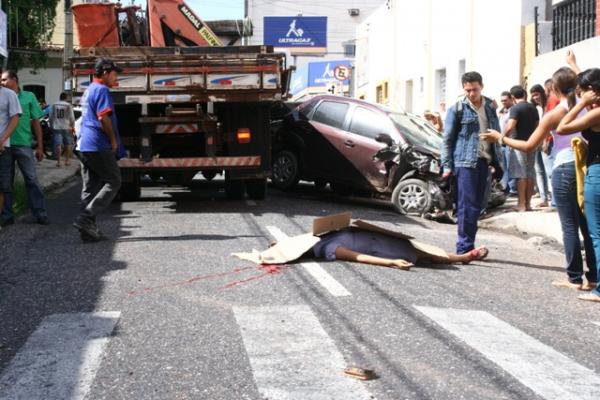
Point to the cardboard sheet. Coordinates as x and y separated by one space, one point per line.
293 247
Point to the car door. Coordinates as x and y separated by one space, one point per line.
323 158
360 145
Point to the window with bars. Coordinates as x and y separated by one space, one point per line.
572 22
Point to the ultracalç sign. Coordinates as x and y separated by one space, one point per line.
295 32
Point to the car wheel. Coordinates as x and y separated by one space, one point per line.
286 170
256 188
412 196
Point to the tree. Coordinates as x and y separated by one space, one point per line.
30 26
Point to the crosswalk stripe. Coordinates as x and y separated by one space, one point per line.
292 357
60 359
314 269
547 372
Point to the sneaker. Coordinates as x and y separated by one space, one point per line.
566 284
88 228
86 238
43 220
589 286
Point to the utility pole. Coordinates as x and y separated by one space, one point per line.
68 48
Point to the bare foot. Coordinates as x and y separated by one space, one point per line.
479 253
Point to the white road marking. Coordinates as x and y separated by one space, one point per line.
60 359
292 356
317 272
250 202
547 372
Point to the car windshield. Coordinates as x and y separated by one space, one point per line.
417 132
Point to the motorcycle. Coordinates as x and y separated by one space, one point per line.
414 178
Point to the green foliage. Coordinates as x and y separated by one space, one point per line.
30 26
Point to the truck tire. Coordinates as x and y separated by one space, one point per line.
131 191
209 175
234 188
412 196
286 170
256 188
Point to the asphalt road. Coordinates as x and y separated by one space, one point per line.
163 311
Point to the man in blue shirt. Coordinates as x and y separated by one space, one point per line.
99 148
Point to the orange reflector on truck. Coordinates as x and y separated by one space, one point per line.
243 135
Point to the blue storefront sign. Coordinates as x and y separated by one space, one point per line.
317 75
321 73
295 31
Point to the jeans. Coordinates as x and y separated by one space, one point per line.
23 156
470 189
101 182
591 196
572 221
509 185
541 177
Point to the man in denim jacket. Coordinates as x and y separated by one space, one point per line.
468 158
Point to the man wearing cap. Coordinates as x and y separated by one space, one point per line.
99 148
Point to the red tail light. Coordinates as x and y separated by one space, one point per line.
244 135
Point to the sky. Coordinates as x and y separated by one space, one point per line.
210 9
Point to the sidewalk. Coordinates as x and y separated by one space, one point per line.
532 223
52 177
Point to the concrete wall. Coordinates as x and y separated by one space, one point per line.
372 41
436 37
587 57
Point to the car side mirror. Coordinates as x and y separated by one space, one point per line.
385 139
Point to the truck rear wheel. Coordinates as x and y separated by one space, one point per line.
256 188
131 190
234 188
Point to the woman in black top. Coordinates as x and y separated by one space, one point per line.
589 125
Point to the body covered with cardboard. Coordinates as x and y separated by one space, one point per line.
294 247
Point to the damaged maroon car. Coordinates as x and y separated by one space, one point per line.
332 140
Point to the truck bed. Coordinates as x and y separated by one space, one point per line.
187 74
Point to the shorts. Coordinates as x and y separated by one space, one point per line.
5 168
521 165
62 137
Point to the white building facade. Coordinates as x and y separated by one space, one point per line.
433 42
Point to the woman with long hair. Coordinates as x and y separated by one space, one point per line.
563 183
589 125
538 98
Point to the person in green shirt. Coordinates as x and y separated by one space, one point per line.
22 153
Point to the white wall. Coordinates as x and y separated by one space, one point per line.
546 64
50 78
373 46
437 34
340 26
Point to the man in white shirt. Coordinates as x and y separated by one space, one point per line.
62 122
10 111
